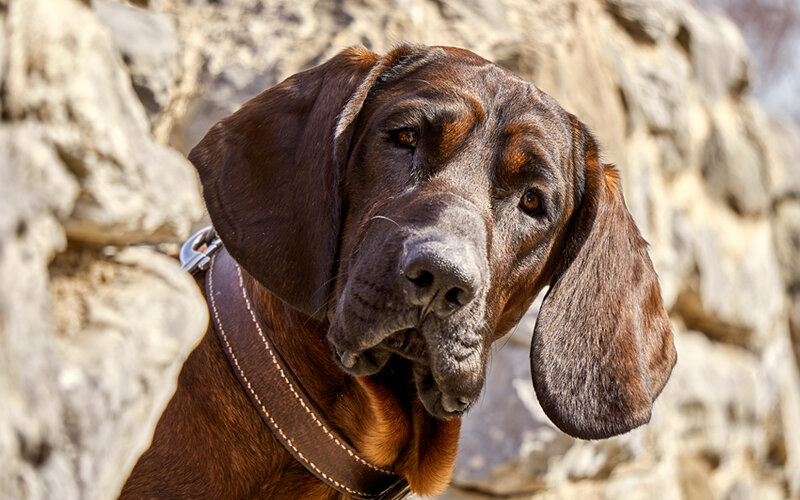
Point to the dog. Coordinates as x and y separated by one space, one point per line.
394 216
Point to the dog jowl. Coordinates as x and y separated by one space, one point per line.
418 202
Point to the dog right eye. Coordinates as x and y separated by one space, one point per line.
405 137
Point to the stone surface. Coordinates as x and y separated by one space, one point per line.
785 173
648 21
132 368
718 54
149 47
36 191
91 342
734 292
74 81
734 165
787 240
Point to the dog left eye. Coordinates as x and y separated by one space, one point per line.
405 137
531 203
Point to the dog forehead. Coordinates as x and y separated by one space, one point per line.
458 75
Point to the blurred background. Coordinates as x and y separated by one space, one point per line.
697 104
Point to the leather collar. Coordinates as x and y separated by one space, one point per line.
280 399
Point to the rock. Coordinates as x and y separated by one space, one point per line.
91 348
115 390
36 192
735 292
91 344
655 90
718 54
794 321
784 387
647 21
2 56
785 173
149 47
786 226
787 240
133 190
716 396
734 166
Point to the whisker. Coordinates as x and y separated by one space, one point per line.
384 217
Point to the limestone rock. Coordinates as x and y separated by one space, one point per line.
114 391
36 191
655 90
91 344
794 321
149 47
734 165
506 427
787 248
649 21
223 94
718 54
735 293
73 80
787 240
785 173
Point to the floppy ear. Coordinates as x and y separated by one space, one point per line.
272 172
602 347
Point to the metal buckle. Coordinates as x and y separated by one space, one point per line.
195 254
399 491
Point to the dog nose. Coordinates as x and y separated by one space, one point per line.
440 275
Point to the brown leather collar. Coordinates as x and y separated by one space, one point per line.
280 399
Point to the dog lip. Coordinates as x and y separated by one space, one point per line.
453 404
348 358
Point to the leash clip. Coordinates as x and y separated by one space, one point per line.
196 252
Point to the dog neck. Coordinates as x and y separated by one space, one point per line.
380 415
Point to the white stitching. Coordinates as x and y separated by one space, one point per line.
249 387
291 387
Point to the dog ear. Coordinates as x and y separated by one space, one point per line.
272 173
602 347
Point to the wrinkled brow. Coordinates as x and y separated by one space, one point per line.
527 152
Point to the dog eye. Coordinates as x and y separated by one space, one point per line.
405 137
531 203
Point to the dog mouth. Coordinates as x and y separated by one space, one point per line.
409 345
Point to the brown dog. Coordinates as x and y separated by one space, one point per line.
402 212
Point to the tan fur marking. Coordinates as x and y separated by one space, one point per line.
389 429
611 176
428 462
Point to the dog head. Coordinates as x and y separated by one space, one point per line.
419 202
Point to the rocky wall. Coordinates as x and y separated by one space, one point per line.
98 96
93 329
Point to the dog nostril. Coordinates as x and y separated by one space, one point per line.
456 297
421 278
